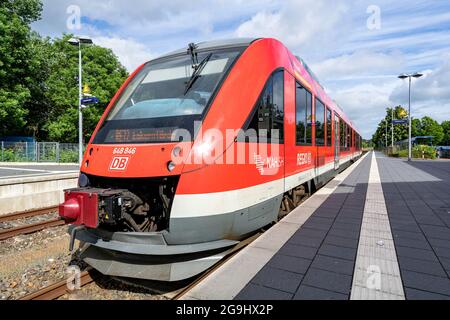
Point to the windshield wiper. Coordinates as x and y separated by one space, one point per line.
198 70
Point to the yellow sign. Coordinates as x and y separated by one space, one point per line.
403 113
86 89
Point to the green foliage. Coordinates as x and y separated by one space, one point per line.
446 129
28 10
400 131
68 156
39 78
101 71
11 155
367 144
16 56
416 128
430 127
419 152
420 127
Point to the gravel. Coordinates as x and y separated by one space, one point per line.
107 288
28 241
31 262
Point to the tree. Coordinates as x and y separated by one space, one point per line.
446 128
103 73
16 56
400 131
419 127
416 128
430 127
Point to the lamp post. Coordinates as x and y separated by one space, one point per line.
78 41
386 135
392 128
410 76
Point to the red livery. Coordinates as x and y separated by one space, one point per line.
198 150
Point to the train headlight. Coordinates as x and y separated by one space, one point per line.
171 166
176 152
83 181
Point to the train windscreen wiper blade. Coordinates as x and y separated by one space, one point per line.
197 73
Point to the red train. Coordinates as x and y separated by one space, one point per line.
198 150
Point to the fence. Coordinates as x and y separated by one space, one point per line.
38 152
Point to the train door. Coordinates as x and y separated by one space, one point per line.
336 142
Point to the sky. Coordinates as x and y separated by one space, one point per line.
356 48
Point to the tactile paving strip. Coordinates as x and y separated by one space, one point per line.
377 274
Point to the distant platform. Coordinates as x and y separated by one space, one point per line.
18 170
379 231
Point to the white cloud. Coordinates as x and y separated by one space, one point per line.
434 86
130 52
298 24
359 64
366 104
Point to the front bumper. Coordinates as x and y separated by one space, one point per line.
147 255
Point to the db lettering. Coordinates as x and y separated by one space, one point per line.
119 164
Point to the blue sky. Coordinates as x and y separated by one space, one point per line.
356 48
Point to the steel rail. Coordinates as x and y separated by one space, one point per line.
27 214
30 228
58 289
241 245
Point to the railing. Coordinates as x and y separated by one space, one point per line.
38 152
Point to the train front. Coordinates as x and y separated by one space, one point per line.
121 212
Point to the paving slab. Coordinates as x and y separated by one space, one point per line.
417 195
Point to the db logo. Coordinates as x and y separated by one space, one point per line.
119 164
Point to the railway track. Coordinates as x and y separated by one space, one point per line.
27 214
59 288
180 293
28 228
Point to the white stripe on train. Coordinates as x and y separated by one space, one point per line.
210 204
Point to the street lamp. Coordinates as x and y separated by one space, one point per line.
392 129
410 76
386 135
78 41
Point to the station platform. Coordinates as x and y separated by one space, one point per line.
380 230
20 170
25 187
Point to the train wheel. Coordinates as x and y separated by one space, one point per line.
287 205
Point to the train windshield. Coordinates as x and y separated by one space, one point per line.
165 96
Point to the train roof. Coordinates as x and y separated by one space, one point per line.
216 44
246 42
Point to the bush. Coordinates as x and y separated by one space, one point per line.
403 153
68 156
426 152
418 152
10 155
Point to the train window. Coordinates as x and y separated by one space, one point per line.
164 97
278 107
342 134
349 138
320 123
353 138
329 128
267 120
303 108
